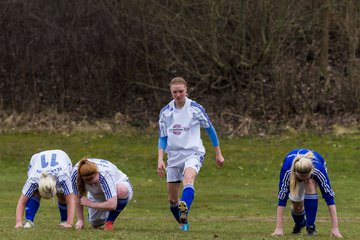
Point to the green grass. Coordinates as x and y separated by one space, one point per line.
237 201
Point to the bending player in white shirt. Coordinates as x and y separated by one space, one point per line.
49 174
179 137
103 188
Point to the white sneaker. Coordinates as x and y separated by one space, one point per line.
28 224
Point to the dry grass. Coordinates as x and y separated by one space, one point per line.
229 125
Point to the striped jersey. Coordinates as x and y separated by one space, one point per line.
320 176
109 175
182 126
56 163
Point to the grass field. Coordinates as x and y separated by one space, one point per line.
237 201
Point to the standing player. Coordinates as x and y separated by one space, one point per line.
179 136
108 191
49 174
302 171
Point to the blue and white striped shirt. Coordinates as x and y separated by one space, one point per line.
56 163
109 176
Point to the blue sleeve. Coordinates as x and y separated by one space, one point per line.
282 202
284 179
323 181
284 191
212 134
162 143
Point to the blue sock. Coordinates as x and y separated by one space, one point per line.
311 205
113 214
31 208
175 211
63 212
299 218
188 195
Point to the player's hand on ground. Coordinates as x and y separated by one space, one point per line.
79 224
65 225
278 232
335 233
161 168
18 225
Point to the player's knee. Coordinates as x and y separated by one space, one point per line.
297 207
189 176
122 191
189 180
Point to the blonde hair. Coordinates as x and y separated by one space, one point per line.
86 172
178 80
302 164
47 186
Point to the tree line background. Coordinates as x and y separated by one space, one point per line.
253 64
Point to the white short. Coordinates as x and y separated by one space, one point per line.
179 162
98 217
301 193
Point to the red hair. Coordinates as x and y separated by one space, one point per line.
86 171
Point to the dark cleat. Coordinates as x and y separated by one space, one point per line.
311 231
297 228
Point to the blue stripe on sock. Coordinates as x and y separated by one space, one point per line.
311 196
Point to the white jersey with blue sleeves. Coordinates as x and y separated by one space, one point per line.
56 163
109 176
182 126
320 176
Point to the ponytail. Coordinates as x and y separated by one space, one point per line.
86 171
293 180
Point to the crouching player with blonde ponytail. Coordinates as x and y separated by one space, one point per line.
302 171
49 174
103 188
